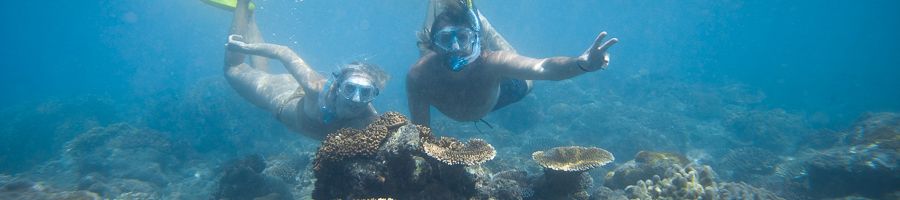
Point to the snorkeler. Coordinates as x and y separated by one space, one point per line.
466 69
305 101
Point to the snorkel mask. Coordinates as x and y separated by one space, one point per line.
358 89
354 88
461 44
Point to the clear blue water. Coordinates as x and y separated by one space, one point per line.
74 65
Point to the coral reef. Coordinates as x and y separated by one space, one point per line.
453 152
564 171
868 166
658 175
33 133
743 191
678 183
398 166
243 179
121 158
349 143
30 190
643 167
747 161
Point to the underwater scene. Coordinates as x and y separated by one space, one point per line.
450 99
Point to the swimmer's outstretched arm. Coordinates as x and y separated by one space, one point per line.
311 81
555 68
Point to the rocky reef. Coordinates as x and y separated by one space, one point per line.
867 165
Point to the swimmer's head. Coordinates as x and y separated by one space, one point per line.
355 86
456 33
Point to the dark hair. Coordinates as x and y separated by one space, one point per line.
453 14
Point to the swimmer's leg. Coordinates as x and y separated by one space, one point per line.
238 27
254 36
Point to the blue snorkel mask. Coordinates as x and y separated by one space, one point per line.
461 44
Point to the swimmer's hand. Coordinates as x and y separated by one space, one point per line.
596 57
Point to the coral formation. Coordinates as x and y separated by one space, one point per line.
399 167
658 175
747 161
743 191
349 143
30 190
643 167
678 183
573 158
868 166
391 120
564 171
243 179
453 152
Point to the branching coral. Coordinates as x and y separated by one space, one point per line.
454 152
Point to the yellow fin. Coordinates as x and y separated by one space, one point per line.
226 4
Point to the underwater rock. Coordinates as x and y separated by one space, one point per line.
564 171
396 165
643 167
243 179
31 190
868 167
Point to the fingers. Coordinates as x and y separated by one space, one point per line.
235 38
608 44
599 39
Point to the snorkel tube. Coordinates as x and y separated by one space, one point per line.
458 62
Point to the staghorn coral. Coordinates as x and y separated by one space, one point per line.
453 152
573 158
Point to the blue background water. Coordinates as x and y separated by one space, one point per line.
153 62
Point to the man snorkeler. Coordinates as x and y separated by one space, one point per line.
305 101
464 79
